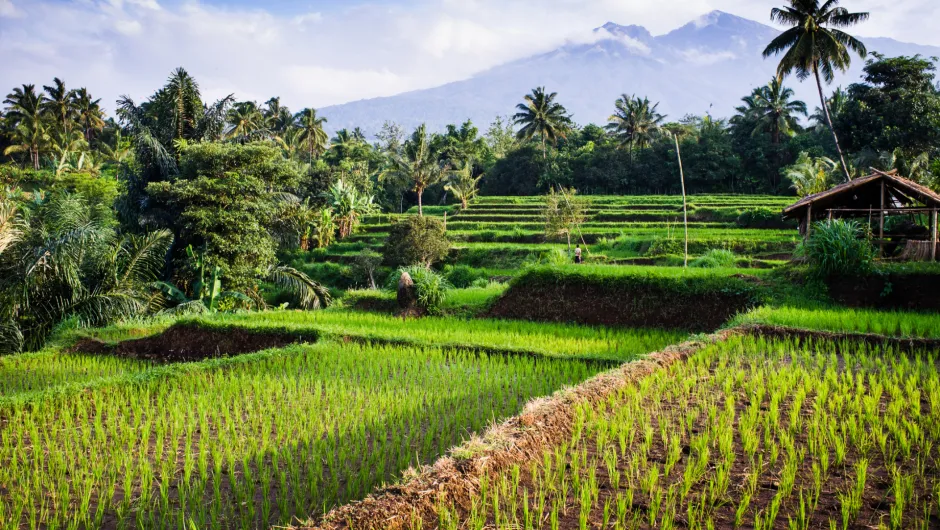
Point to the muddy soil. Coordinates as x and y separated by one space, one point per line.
186 342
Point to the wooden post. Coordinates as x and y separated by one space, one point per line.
685 210
933 236
881 222
809 220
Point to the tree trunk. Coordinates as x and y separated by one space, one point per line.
825 107
34 156
420 208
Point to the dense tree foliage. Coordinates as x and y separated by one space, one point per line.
231 184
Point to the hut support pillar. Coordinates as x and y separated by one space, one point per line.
881 222
933 236
809 220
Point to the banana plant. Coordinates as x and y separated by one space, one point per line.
207 292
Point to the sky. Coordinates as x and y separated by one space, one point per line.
315 53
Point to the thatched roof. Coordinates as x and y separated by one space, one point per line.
865 193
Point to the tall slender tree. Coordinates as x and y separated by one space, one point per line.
815 46
540 115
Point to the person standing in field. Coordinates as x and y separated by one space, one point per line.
577 254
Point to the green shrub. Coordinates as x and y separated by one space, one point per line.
714 259
416 240
665 245
555 256
760 218
463 276
839 248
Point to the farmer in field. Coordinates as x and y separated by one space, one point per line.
577 253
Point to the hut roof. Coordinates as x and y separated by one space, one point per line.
865 192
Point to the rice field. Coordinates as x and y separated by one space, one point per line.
552 340
253 440
505 231
36 372
748 433
845 320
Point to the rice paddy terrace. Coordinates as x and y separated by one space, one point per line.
773 416
502 232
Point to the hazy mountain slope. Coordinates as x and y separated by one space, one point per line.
705 66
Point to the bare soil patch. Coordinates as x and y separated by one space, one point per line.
189 342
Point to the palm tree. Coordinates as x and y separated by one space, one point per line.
814 45
836 104
89 114
277 118
60 105
69 262
464 185
810 175
417 165
245 120
772 110
29 131
635 122
541 116
311 136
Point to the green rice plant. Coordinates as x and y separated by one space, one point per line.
753 384
893 323
294 428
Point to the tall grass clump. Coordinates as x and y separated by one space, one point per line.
715 258
839 248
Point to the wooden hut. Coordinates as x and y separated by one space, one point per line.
876 196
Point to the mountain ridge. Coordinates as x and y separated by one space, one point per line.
704 66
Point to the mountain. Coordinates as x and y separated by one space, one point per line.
707 65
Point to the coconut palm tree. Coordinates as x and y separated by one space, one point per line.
245 120
635 123
772 109
815 45
311 136
418 164
29 132
277 118
60 105
539 115
811 175
90 117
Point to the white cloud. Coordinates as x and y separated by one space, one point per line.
128 27
7 9
354 51
705 58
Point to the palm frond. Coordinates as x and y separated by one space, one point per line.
310 294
